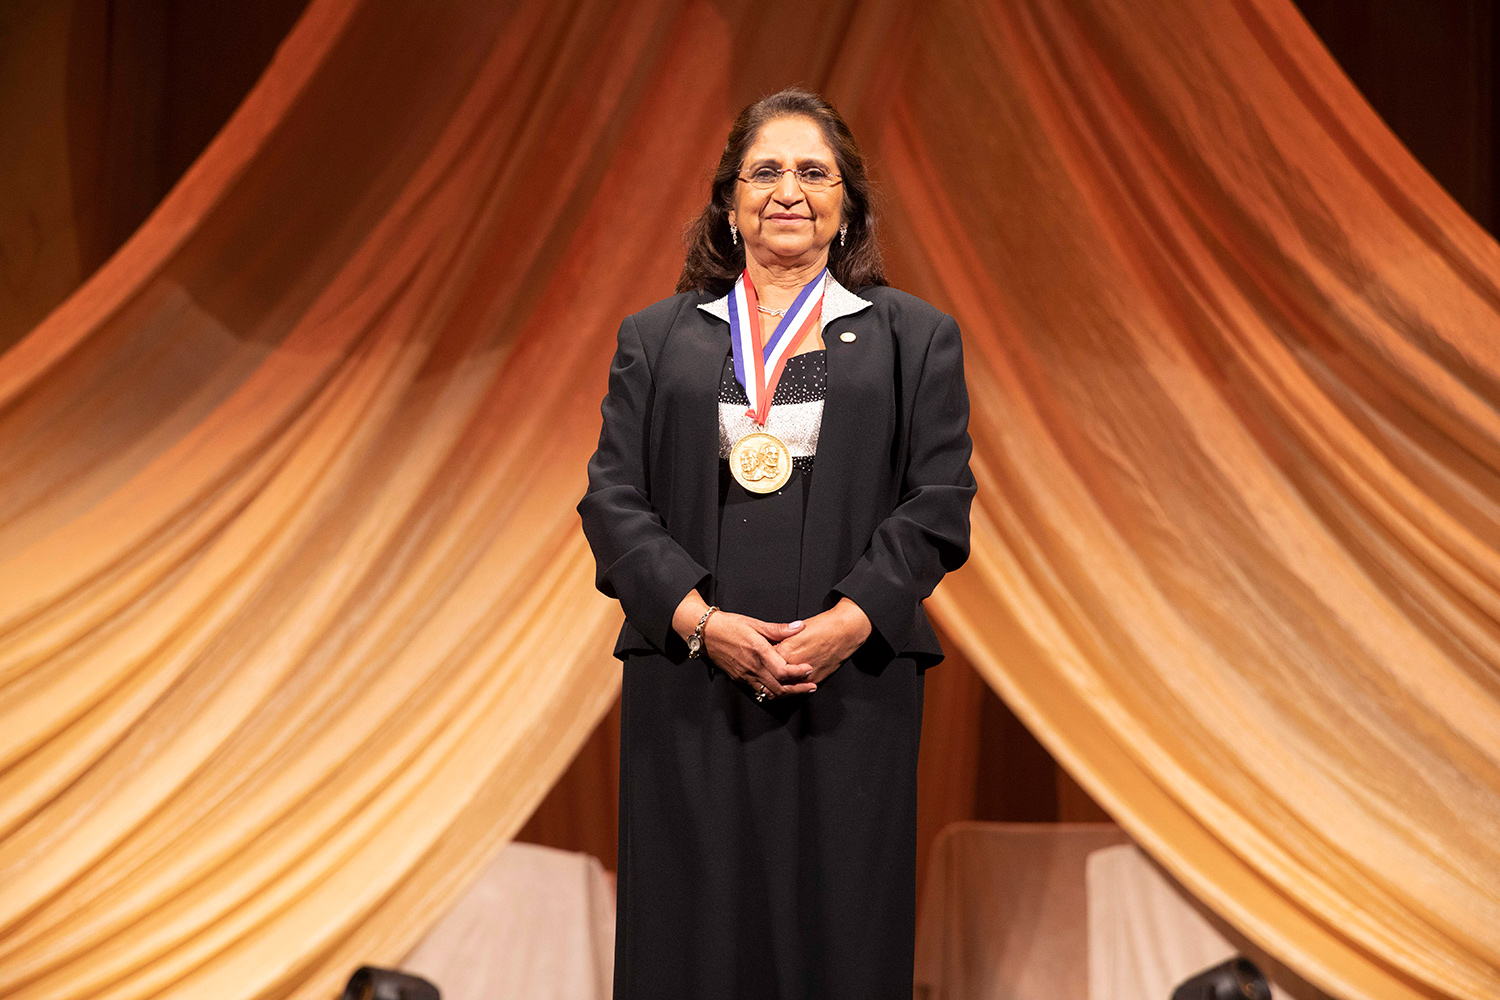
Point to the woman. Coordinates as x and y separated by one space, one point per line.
775 639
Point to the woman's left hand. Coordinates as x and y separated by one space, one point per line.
827 640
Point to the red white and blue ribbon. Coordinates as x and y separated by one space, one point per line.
758 361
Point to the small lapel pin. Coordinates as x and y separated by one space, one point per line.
847 336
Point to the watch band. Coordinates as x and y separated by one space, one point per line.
695 641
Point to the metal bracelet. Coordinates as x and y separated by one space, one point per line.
695 641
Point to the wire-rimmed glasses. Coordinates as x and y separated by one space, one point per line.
812 177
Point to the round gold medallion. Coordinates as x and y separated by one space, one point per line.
760 462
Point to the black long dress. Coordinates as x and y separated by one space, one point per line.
767 850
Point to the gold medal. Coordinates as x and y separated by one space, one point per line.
760 462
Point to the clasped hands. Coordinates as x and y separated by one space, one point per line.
780 659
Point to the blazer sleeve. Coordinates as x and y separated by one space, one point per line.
638 561
927 535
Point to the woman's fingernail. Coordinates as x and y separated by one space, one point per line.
795 624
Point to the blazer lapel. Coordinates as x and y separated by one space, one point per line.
701 356
842 446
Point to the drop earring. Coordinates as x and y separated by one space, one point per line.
734 234
843 231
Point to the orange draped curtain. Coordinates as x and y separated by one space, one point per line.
296 622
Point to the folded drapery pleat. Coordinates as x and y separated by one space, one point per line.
296 622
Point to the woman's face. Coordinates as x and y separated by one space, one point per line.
785 224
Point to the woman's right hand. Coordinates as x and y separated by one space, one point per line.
744 648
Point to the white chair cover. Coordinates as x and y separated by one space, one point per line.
539 923
1003 914
1145 936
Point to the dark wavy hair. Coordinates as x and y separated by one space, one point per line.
713 262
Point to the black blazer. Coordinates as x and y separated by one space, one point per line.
888 512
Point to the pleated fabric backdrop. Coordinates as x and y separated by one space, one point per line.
296 622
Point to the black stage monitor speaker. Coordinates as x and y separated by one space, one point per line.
1236 979
370 983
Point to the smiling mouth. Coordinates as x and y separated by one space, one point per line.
788 218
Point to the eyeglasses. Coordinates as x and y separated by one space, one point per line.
811 178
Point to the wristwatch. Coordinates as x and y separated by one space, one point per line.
695 641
